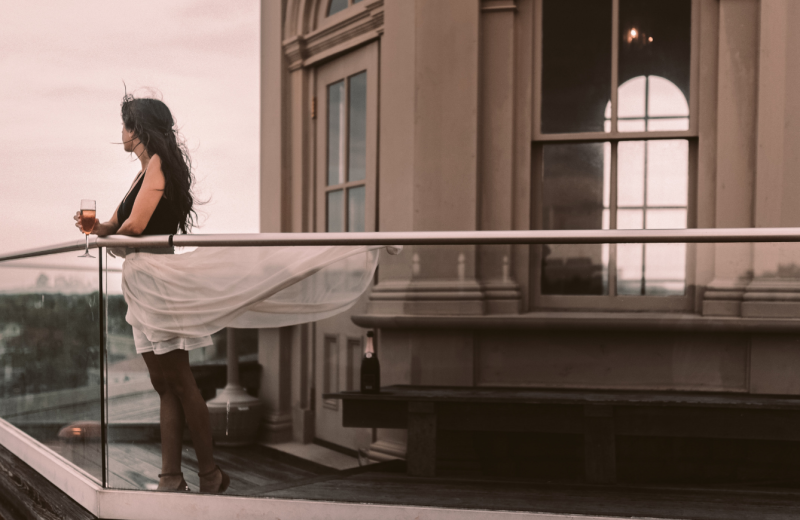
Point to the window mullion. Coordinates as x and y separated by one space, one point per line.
612 222
614 62
644 200
345 175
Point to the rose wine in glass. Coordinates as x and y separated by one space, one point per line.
88 212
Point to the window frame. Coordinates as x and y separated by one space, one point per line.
324 20
363 59
331 352
612 301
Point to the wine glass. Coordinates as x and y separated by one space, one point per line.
88 212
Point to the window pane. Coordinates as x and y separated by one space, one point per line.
336 6
655 43
629 269
354 350
649 103
335 211
574 182
631 101
666 219
668 173
358 128
335 133
630 219
576 65
666 124
355 209
330 370
665 268
630 173
631 125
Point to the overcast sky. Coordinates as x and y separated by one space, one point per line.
62 67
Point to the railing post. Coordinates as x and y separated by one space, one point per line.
103 401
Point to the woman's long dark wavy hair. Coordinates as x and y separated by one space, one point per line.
151 121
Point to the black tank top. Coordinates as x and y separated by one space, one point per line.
164 220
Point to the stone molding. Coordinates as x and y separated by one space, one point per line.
584 321
762 297
502 297
276 427
326 42
772 297
445 297
724 297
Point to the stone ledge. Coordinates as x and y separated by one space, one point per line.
573 321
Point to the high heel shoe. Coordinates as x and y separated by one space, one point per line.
224 483
183 487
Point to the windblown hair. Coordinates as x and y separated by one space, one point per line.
151 121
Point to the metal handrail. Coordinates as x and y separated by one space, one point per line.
624 236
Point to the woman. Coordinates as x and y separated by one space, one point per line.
160 202
176 301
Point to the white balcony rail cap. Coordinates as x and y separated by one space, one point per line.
592 236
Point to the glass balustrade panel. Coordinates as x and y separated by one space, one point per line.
50 354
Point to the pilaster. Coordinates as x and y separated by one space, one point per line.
775 289
496 151
429 154
736 151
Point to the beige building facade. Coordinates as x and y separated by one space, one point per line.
447 115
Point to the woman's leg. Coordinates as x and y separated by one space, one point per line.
172 424
179 378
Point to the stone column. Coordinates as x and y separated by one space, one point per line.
736 151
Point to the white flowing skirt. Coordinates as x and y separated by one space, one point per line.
177 301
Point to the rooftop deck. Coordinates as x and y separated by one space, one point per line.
262 473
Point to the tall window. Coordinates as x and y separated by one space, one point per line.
346 101
613 136
347 153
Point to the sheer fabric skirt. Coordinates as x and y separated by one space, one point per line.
178 301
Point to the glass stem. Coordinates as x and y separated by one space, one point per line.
87 245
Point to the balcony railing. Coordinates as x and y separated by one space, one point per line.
78 406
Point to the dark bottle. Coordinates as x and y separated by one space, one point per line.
370 368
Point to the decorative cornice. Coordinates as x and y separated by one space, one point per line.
305 49
295 50
498 5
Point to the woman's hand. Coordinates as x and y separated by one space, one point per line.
79 224
100 229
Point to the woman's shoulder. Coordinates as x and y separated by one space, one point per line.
154 175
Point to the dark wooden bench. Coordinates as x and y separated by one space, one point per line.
599 415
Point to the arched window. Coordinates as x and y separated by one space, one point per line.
340 5
649 104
